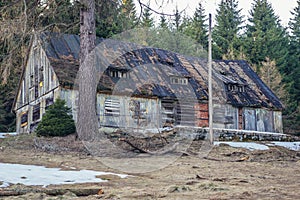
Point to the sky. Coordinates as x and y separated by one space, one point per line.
282 7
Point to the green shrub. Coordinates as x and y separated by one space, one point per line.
57 121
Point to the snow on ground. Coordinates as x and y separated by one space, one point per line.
289 145
248 145
3 135
39 175
254 146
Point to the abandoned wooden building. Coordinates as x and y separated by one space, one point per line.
160 82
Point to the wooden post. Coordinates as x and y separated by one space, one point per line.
210 104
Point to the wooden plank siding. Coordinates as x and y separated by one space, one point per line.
145 87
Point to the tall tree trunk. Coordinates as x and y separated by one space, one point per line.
86 118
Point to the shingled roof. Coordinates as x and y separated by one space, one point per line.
145 63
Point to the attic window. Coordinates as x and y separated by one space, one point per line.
118 74
236 88
179 80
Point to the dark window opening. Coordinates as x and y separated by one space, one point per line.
24 119
36 112
49 102
236 88
119 74
179 80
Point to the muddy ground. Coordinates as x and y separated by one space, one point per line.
225 173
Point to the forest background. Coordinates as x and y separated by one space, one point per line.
272 49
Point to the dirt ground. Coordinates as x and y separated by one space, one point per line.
225 173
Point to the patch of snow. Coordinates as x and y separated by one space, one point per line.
40 175
3 135
289 145
247 145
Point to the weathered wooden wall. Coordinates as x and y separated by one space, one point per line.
38 89
262 120
225 116
129 112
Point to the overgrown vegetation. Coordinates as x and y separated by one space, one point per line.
272 49
57 121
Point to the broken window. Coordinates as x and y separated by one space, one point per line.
41 74
31 80
236 88
138 111
168 112
112 107
118 74
49 102
31 94
179 80
24 119
36 112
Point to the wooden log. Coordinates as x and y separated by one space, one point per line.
52 192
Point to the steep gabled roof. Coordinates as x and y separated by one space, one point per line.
63 53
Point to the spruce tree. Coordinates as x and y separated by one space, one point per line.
147 20
127 17
57 121
177 20
227 43
292 73
163 23
107 18
198 27
60 16
265 35
292 70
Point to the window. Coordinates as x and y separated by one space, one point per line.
112 107
41 73
31 94
179 80
118 74
36 112
24 119
49 102
31 80
236 88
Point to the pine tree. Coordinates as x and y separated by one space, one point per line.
60 16
265 35
127 17
293 68
57 121
108 22
198 27
163 23
177 20
147 20
87 87
292 73
227 43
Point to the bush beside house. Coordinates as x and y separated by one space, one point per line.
57 121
